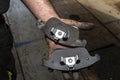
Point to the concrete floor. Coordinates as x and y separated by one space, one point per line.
108 68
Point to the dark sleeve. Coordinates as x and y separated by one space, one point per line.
4 5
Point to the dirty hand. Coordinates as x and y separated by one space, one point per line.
52 46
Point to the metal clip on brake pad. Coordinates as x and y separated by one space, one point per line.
71 59
62 33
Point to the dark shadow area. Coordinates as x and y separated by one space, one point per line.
108 68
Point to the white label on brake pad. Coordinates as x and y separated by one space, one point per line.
70 61
58 34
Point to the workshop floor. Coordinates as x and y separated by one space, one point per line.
108 68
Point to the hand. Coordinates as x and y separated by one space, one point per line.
52 46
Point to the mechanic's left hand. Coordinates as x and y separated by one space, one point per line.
52 46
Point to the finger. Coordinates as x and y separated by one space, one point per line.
52 46
80 25
85 26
